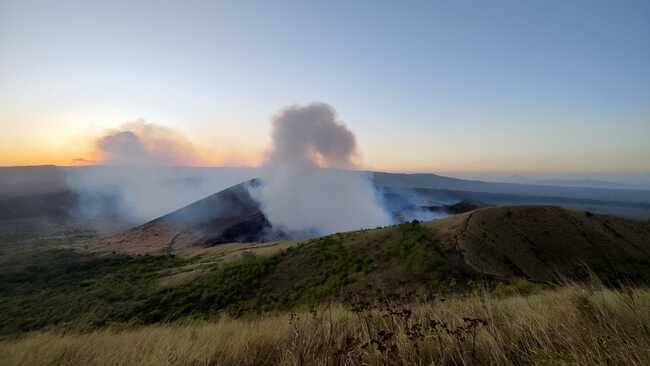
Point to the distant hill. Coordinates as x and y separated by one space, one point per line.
433 181
31 180
638 210
231 215
40 194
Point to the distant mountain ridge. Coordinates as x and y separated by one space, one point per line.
43 193
433 181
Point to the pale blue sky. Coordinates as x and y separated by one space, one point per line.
425 85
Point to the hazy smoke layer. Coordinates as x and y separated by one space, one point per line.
297 194
143 178
144 144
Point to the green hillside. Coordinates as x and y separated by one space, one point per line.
500 248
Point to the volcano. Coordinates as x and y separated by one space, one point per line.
234 216
231 215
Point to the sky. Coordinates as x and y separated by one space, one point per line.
425 86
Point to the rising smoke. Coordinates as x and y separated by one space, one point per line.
144 174
303 187
307 185
141 144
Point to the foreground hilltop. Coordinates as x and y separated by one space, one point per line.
540 242
537 243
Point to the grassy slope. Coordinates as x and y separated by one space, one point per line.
538 242
343 267
67 288
416 261
64 288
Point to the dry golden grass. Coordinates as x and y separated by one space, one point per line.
570 325
228 250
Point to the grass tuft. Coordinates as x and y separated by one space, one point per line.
572 325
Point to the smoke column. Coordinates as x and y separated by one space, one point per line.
297 194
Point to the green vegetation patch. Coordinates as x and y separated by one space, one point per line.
233 288
420 252
67 288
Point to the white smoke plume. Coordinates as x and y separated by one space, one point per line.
145 174
140 143
297 193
